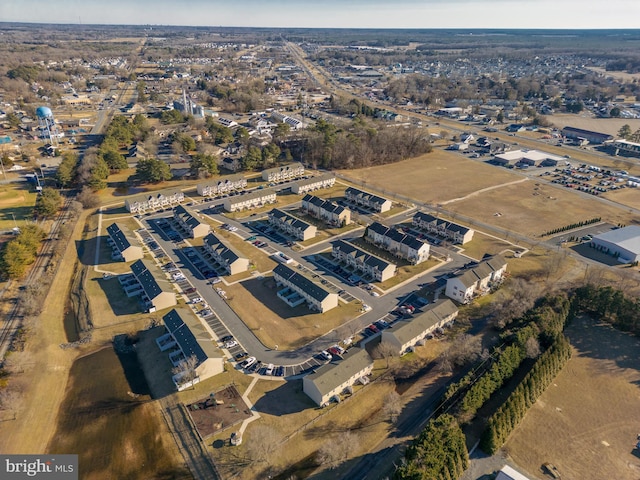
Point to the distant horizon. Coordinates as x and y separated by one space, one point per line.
330 14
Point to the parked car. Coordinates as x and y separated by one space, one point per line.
230 344
372 328
240 356
325 355
269 369
248 362
226 338
334 350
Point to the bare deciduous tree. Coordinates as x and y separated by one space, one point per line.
10 401
338 449
262 443
186 370
392 405
532 347
385 350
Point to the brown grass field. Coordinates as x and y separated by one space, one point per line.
275 323
532 209
588 122
116 436
434 177
587 422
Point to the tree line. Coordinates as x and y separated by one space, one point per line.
20 252
572 226
610 305
439 452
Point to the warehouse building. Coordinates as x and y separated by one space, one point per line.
622 243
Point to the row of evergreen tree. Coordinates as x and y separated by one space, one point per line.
572 226
439 453
511 413
610 305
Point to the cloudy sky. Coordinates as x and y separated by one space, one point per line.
333 13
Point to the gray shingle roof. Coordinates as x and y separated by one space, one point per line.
361 255
332 375
307 285
122 237
406 331
149 279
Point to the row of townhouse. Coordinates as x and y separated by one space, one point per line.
155 291
406 334
299 289
443 228
364 262
151 203
221 186
291 225
124 243
185 337
326 180
187 219
368 200
294 123
399 244
254 199
326 210
477 280
224 256
337 377
284 173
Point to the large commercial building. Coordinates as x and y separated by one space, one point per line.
282 174
442 228
155 291
623 243
335 378
625 148
399 244
187 338
306 185
299 289
291 225
224 256
580 135
404 335
477 280
187 219
153 202
254 199
527 158
222 185
124 243
325 210
368 200
367 264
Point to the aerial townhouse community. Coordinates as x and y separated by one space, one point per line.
224 256
442 228
291 225
187 219
326 210
404 335
367 264
476 280
154 202
222 186
124 243
367 200
284 173
400 244
326 180
254 199
299 288
186 338
328 382
155 291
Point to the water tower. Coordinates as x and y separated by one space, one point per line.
47 125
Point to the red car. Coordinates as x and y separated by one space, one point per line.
373 329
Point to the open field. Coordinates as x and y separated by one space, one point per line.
588 122
433 178
275 323
16 200
628 196
586 423
116 434
532 209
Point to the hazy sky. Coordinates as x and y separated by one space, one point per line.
333 13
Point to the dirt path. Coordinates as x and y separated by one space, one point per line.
477 192
44 385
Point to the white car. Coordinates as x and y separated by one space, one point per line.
269 370
248 362
374 294
230 344
326 355
197 300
